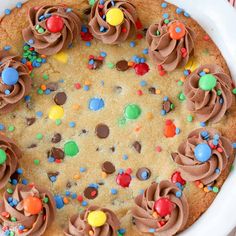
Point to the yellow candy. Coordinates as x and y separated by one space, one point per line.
114 16
61 57
56 112
191 65
97 218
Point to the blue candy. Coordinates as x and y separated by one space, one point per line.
202 152
10 76
59 201
96 104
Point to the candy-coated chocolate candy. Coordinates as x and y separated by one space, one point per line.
3 156
55 24
123 179
71 148
177 178
202 152
207 82
177 30
33 205
141 68
132 112
114 16
97 218
170 129
56 112
96 104
10 76
163 206
62 57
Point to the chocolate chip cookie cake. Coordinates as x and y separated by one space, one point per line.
116 118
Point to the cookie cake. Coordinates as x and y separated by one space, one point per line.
116 118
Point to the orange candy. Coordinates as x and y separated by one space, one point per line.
177 30
33 205
170 129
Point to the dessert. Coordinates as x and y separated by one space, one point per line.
110 134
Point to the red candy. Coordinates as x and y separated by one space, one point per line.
141 69
86 36
163 206
138 24
170 129
176 178
55 24
123 180
33 205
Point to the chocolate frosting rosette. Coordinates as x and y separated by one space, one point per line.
171 43
15 81
203 156
96 221
52 28
162 209
9 158
113 21
28 211
208 91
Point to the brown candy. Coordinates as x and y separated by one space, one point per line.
102 131
60 98
143 173
90 193
122 65
108 167
152 90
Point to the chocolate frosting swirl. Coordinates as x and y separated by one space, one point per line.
191 169
8 102
13 154
36 224
78 225
206 104
49 43
144 208
167 51
113 34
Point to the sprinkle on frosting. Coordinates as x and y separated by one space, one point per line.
113 21
203 156
15 81
162 209
170 44
52 28
28 209
208 92
93 221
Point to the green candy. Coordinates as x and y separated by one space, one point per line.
71 148
3 156
91 2
207 82
132 112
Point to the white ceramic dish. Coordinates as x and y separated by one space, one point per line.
218 19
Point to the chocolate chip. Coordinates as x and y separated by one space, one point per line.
15 176
53 86
113 149
118 89
137 146
68 184
97 64
30 121
57 153
90 193
108 167
29 105
122 65
152 90
56 138
167 105
60 98
102 131
143 173
33 145
50 174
